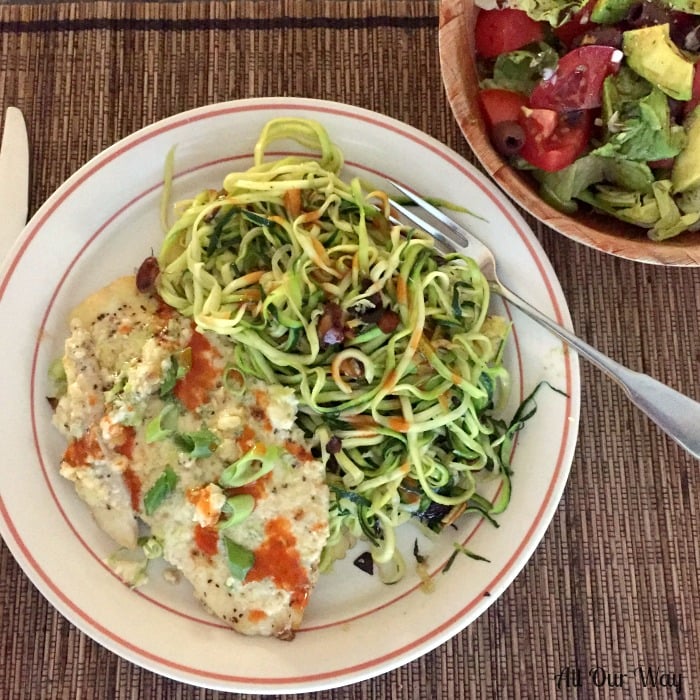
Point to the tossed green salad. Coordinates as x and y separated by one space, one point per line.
598 99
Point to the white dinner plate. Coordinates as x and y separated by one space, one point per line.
100 224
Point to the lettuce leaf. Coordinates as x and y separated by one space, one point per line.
637 121
521 70
564 186
556 12
656 211
624 189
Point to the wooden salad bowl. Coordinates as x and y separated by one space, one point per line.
604 233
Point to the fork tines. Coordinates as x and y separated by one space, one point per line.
457 237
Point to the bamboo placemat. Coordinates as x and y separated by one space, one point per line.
614 584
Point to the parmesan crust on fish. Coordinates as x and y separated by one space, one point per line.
165 435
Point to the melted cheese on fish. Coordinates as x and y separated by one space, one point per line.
130 363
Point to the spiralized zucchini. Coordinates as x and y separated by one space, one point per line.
387 343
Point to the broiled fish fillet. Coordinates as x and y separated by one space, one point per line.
147 394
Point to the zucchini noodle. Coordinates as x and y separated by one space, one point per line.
387 343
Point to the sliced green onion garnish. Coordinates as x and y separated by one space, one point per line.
180 364
239 558
237 509
57 374
163 425
199 443
251 466
164 486
152 548
234 381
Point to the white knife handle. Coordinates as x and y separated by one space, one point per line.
14 179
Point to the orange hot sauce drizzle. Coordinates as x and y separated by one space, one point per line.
133 484
206 539
193 389
256 615
298 451
80 450
262 401
131 478
257 489
246 439
278 558
164 311
126 447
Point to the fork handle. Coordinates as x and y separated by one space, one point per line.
676 414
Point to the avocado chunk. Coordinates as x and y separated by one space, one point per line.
686 168
692 7
651 53
612 11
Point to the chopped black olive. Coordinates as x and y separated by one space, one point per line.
334 445
365 563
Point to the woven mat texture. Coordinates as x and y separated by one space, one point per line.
614 583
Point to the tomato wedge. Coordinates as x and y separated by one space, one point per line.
577 81
501 31
500 105
554 141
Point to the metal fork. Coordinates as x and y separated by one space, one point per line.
676 414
